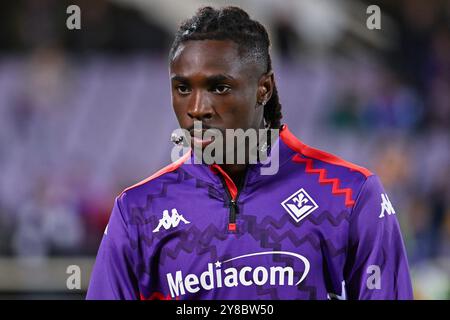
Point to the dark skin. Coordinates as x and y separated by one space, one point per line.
210 83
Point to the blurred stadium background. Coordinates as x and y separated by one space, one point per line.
85 113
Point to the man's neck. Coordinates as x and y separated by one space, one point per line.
236 173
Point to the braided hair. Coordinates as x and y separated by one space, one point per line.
233 23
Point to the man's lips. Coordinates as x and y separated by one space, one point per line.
197 132
198 138
202 142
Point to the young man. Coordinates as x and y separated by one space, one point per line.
319 228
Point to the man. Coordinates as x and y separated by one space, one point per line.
319 228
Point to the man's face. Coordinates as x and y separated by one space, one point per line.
211 84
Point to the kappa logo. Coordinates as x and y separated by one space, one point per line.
299 205
168 222
386 206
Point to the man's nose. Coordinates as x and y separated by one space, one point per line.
200 108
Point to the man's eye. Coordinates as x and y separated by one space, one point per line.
182 89
221 89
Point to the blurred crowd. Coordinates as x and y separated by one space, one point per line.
85 113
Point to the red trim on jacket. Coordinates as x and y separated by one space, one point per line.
171 167
215 168
298 146
310 154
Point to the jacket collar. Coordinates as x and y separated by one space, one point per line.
279 153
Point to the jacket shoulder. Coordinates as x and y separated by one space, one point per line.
143 186
345 177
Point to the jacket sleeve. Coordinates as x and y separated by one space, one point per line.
377 266
113 275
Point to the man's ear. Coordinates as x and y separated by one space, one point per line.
265 88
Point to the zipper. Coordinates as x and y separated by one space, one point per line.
232 202
232 217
